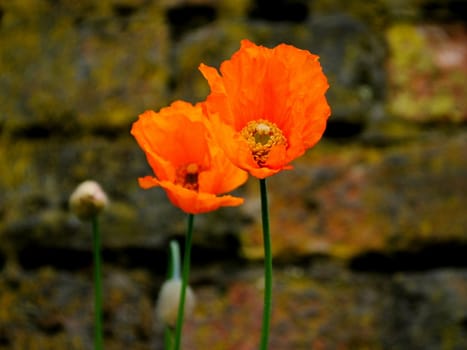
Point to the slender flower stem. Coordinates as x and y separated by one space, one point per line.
173 273
185 276
267 266
98 335
168 338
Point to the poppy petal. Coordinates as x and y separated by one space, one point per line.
193 202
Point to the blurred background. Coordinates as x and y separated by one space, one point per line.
368 229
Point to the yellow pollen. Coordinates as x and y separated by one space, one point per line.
261 135
187 176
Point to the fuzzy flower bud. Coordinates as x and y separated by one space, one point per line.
88 200
168 301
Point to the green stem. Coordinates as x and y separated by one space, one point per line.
267 266
168 335
185 275
98 337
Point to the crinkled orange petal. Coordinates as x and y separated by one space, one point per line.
193 202
263 172
218 97
181 136
173 137
314 130
148 182
144 130
233 145
223 176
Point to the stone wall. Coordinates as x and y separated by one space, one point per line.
372 219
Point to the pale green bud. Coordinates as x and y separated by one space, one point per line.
168 301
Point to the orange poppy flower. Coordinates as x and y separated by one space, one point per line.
188 165
267 106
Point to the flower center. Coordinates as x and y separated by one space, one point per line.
187 176
261 135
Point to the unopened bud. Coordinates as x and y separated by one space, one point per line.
88 200
169 299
